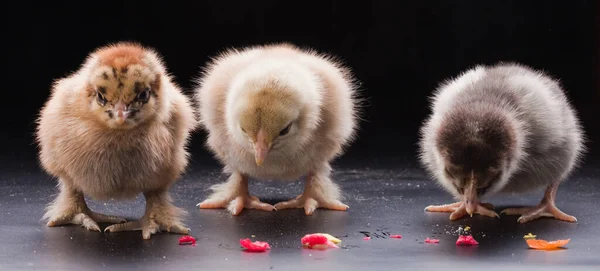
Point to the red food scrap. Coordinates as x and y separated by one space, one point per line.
367 238
466 240
318 241
396 236
431 241
256 246
187 240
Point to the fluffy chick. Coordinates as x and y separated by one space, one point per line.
277 112
501 128
115 128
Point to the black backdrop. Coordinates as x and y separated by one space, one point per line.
399 50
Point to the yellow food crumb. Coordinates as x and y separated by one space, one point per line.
467 228
529 236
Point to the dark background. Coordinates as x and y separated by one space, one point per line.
400 51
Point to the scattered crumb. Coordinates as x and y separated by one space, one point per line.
466 240
256 246
431 241
187 240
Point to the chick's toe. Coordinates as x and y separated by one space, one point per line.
458 209
546 208
237 204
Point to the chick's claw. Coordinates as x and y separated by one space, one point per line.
148 227
546 208
310 204
542 210
88 219
236 205
458 210
78 219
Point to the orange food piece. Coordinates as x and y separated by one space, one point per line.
545 245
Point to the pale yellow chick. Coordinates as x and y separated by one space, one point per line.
116 128
277 112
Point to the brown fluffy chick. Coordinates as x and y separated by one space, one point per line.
501 129
277 112
115 128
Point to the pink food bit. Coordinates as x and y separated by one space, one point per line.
256 246
187 240
314 239
367 238
396 236
317 241
466 240
431 241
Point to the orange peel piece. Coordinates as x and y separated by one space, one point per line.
545 245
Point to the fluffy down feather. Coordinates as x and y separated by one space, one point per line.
115 128
501 128
277 112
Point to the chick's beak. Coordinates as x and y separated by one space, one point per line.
471 197
261 148
121 112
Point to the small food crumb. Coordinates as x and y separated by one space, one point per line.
467 228
256 246
396 236
253 236
431 241
187 240
367 238
466 240
529 236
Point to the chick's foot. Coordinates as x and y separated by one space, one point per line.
319 192
235 205
70 208
458 209
160 215
546 208
86 218
234 196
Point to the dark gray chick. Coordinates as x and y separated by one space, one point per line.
502 128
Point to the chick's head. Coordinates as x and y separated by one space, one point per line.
476 150
124 85
273 118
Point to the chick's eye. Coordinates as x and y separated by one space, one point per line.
144 95
285 130
100 99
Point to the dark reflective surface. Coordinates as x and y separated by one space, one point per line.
383 200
